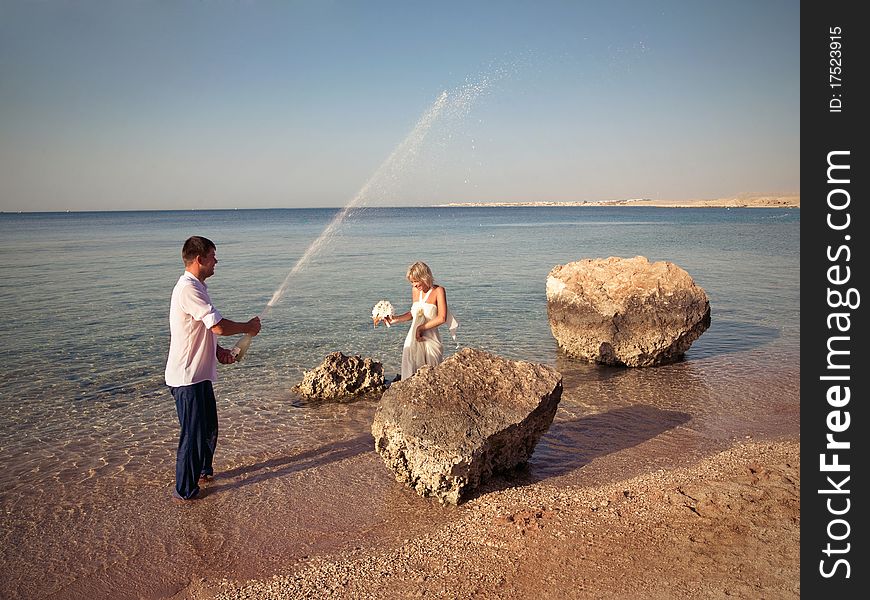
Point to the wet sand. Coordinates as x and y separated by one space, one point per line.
727 525
648 481
658 495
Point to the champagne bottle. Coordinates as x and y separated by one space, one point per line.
241 347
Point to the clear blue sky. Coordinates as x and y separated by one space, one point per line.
155 105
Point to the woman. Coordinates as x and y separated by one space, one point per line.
428 311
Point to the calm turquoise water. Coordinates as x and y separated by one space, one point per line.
87 428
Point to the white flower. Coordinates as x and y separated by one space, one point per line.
382 310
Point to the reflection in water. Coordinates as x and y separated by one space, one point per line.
732 337
572 444
598 389
606 410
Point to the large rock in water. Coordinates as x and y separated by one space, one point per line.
625 311
340 377
447 428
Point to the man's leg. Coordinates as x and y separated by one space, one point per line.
188 459
210 429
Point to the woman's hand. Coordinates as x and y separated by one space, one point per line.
420 334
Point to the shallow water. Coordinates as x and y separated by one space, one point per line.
88 431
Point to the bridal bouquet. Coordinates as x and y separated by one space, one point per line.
381 311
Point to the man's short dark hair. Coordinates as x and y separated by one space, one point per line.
194 246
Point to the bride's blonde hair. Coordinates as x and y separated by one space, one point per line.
420 271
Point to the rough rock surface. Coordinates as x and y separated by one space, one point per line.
625 311
448 428
340 377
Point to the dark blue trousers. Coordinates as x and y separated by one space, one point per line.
197 415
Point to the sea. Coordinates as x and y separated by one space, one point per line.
88 429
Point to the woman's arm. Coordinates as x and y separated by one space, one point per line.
399 318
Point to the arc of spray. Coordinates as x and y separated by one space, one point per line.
407 148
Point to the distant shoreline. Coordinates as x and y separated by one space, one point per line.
743 201
753 201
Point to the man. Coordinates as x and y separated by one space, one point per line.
194 324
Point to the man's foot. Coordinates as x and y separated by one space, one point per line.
179 500
205 478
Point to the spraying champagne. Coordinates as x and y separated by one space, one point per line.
457 103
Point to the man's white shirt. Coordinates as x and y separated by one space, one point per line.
192 346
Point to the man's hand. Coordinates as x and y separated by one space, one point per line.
254 326
224 356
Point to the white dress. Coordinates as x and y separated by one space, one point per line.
430 351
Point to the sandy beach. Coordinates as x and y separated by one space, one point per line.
739 201
727 525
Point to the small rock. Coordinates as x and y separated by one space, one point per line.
342 377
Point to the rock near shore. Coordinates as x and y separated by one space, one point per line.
448 428
341 377
625 311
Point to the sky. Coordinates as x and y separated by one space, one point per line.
129 105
